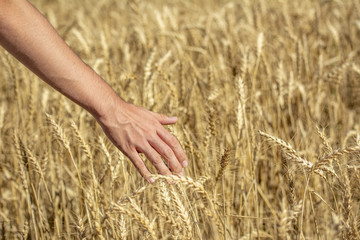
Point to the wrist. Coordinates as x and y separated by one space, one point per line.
105 108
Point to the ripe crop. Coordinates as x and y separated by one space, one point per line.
268 99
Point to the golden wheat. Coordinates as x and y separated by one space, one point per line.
267 96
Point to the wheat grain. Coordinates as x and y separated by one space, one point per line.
227 70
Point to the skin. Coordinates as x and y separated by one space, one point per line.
29 37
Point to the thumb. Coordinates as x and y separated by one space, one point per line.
163 119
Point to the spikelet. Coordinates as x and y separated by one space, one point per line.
292 155
162 60
335 154
44 99
244 65
110 72
39 169
148 66
25 231
291 34
104 44
335 75
109 164
13 76
212 122
352 134
182 83
62 138
59 131
84 146
356 68
94 212
334 32
298 60
159 20
255 234
184 215
324 140
241 118
188 181
133 195
3 109
21 154
280 80
122 226
214 94
260 42
80 228
288 219
148 94
174 96
137 214
347 213
31 107
225 159
86 149
284 145
301 162
52 18
34 162
164 194
283 222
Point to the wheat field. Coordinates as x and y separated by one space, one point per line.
268 99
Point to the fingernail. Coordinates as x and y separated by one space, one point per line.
185 163
173 118
151 180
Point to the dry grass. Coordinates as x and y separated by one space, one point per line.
268 99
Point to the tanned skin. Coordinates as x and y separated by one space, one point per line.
29 37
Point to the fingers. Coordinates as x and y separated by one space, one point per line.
152 139
170 140
168 154
165 120
155 159
140 165
174 145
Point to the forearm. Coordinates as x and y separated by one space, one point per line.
27 35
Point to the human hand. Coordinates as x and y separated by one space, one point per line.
26 34
136 130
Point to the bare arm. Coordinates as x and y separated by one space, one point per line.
27 35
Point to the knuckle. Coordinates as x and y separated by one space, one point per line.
149 130
173 141
160 167
144 132
168 153
153 137
183 156
142 170
161 116
140 167
139 142
176 168
128 151
144 173
157 161
156 123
